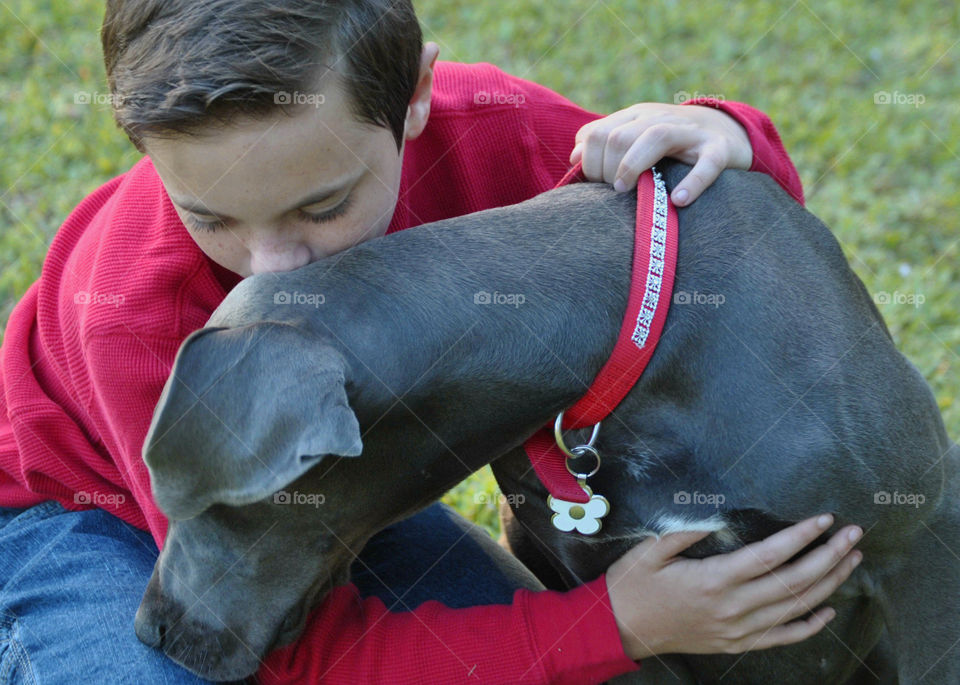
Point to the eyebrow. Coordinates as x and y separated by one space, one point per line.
311 199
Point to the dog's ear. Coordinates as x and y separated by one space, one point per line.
244 412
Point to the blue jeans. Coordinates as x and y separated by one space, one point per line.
71 582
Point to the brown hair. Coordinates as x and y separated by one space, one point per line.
178 66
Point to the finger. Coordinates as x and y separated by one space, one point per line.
761 557
594 143
788 634
791 580
576 153
797 605
653 144
710 163
620 140
581 133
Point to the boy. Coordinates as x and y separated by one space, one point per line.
278 133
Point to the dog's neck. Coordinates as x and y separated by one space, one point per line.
533 329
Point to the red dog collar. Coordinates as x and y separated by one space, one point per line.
651 287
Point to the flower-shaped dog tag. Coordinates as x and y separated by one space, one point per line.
585 518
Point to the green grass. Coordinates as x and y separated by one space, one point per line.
884 177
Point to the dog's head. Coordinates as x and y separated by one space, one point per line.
254 541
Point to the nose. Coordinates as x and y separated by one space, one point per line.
212 654
272 256
150 625
148 632
155 615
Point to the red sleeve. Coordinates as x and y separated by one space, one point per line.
543 637
769 155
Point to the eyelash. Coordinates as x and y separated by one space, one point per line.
334 213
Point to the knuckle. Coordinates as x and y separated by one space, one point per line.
595 136
713 586
658 133
714 157
818 592
726 612
626 170
797 585
700 179
800 607
767 558
732 647
622 138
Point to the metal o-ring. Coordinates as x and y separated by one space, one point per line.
580 449
558 434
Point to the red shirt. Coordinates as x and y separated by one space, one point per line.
88 348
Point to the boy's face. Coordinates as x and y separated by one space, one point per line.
279 193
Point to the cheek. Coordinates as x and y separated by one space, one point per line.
221 247
370 216
378 212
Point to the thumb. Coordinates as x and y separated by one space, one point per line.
667 547
576 154
706 170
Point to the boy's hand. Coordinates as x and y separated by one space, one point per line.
621 146
728 603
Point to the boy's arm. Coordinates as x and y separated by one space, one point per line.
543 637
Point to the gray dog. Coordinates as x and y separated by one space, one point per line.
786 400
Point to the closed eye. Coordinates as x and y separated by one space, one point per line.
316 218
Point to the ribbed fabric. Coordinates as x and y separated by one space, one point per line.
566 638
88 348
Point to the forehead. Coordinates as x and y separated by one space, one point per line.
315 142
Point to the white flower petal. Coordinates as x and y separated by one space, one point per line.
588 526
597 507
563 523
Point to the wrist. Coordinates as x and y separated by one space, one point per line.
740 148
635 646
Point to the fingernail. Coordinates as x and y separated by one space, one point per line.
857 557
854 534
619 185
680 197
824 521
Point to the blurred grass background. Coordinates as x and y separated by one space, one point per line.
884 177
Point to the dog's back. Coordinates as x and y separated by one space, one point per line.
789 366
776 393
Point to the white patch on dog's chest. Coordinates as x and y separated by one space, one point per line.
665 524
